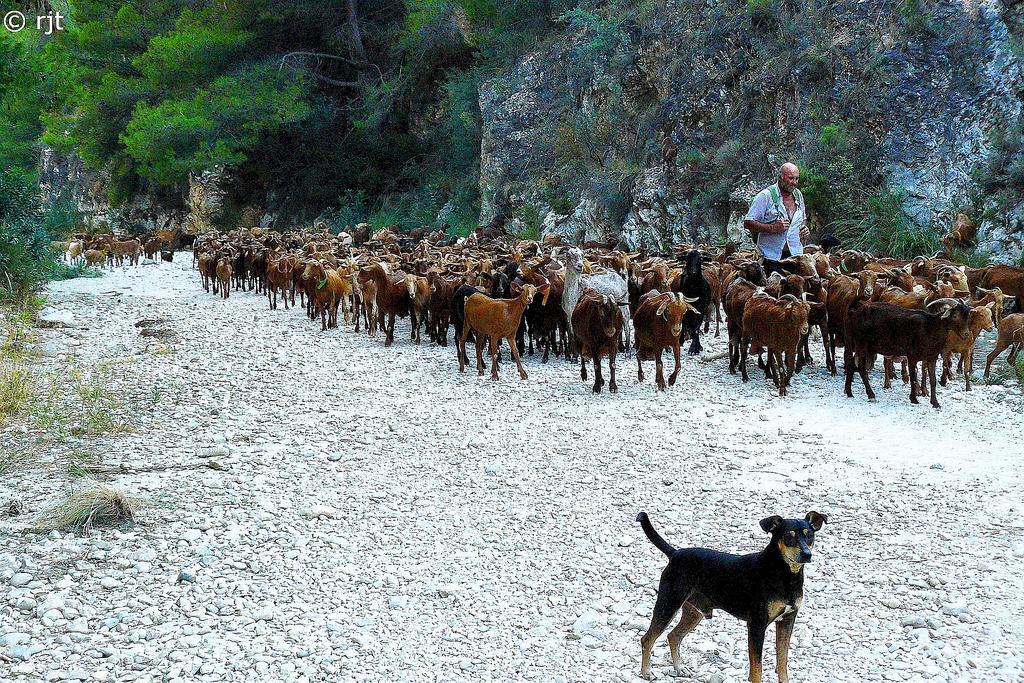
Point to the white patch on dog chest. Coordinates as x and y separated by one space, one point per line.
778 609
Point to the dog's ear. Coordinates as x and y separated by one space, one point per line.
770 524
816 519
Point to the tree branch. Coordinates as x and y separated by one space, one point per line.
325 56
353 27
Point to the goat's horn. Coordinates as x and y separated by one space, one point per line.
947 301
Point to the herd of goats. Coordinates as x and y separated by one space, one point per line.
597 301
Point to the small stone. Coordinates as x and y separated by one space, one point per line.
938 466
954 609
25 604
265 614
52 317
185 577
20 579
587 622
79 625
109 582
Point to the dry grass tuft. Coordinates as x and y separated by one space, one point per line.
96 505
14 459
16 387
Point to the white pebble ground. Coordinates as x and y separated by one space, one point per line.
383 518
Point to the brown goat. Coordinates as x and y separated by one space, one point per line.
979 319
597 323
224 276
737 294
657 324
421 305
496 319
1010 279
328 291
963 233
394 298
991 296
843 291
95 257
279 278
778 324
1011 335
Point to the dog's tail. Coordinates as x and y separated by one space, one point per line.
652 535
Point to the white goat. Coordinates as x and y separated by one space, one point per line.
607 284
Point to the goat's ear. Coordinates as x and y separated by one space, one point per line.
770 524
815 519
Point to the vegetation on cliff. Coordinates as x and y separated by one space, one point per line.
371 109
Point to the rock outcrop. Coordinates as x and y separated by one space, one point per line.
928 82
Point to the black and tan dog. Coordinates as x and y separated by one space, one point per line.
759 588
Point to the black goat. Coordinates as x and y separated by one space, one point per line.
500 288
890 330
694 286
459 296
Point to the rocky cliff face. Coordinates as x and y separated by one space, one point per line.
923 84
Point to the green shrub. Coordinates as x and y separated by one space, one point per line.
918 17
529 214
1002 176
761 10
881 225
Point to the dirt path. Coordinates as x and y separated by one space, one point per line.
382 517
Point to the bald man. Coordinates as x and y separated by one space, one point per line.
778 217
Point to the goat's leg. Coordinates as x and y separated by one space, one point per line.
830 352
913 382
639 367
848 369
391 329
515 354
695 347
612 387
888 372
678 363
790 369
968 360
931 378
659 366
583 368
479 340
493 344
598 380
460 346
718 317
744 344
947 365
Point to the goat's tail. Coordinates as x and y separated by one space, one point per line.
652 535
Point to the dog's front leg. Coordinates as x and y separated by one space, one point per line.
755 648
783 632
